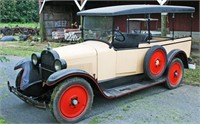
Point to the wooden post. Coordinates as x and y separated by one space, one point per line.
81 18
41 21
42 30
164 24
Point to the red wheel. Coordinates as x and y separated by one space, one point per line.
71 100
174 74
155 62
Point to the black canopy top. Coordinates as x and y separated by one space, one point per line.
135 9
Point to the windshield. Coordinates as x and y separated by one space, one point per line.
98 28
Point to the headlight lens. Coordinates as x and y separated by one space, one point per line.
59 64
35 58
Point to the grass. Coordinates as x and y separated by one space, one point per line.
192 77
2 120
31 25
95 120
23 49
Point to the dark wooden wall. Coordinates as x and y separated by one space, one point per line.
68 10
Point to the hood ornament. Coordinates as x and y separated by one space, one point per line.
49 46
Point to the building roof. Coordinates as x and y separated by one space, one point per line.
135 9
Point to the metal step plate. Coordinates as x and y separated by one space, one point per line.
131 87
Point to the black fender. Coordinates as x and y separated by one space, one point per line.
30 74
66 73
177 53
21 64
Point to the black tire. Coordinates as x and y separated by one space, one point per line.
175 72
155 62
73 94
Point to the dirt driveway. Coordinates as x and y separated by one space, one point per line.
155 105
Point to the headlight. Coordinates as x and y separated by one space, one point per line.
59 64
35 58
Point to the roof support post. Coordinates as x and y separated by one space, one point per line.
173 19
148 26
191 23
127 24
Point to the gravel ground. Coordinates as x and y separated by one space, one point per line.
153 105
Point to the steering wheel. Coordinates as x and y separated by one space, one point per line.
119 36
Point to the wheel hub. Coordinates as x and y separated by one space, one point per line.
74 101
176 74
157 62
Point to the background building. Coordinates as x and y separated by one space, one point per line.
61 14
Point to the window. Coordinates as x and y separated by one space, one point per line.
98 28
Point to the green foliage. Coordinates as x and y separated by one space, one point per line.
3 58
2 120
19 11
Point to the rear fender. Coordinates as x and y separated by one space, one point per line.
177 53
30 74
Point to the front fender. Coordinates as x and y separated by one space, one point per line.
22 63
66 73
30 74
177 53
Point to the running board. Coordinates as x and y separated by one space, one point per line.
131 87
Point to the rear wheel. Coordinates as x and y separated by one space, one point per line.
155 62
71 100
175 73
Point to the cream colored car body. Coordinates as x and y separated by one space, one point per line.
105 63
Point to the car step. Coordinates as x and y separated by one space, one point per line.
129 88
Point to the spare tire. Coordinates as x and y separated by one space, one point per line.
155 62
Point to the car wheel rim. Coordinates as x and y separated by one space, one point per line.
157 62
73 101
175 74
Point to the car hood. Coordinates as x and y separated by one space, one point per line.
76 51
82 56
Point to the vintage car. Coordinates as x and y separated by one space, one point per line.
112 60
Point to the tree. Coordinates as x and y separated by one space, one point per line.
19 11
8 10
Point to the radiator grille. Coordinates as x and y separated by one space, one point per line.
47 63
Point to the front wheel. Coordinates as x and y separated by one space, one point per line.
175 72
71 100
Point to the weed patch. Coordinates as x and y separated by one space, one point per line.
95 120
2 120
192 77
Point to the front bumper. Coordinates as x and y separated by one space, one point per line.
29 100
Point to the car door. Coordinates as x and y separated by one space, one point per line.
126 62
